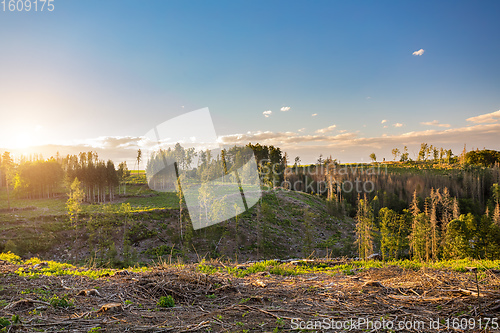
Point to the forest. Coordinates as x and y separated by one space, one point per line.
439 206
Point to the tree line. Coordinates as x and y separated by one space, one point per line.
207 165
35 177
431 228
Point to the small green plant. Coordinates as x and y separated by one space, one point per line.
244 300
95 329
62 302
128 302
15 320
166 302
279 324
211 296
34 312
4 322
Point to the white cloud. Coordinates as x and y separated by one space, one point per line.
486 118
314 114
383 121
474 135
397 125
385 126
302 129
419 52
267 113
285 108
282 138
326 129
434 123
125 148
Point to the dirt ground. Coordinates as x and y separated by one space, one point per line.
368 301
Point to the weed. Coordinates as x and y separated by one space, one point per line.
166 302
10 257
4 322
62 302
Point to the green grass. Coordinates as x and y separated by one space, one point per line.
55 268
276 268
41 207
166 200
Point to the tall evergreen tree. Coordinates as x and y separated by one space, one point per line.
8 170
364 228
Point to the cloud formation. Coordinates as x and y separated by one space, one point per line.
419 52
383 121
473 134
346 145
314 114
326 129
397 125
434 123
267 113
492 117
285 108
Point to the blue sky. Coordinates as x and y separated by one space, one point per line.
91 71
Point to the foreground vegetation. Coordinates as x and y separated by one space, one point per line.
270 296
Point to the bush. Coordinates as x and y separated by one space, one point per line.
62 302
4 322
10 246
166 302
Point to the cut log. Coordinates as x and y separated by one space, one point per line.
88 292
110 308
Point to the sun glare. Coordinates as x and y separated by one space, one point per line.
22 140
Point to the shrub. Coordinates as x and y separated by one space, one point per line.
166 302
62 302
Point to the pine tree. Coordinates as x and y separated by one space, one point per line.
456 209
434 233
434 228
8 169
419 240
138 159
364 228
447 209
496 214
394 233
74 203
